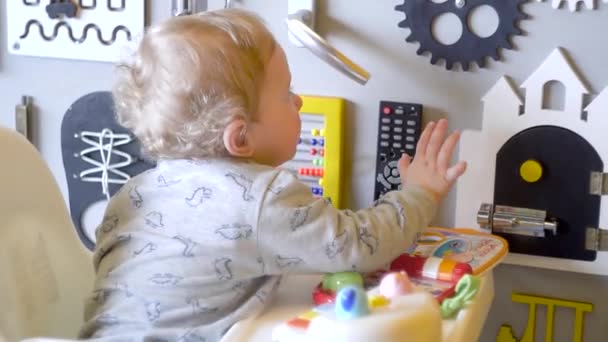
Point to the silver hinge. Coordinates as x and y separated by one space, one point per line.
596 240
598 184
23 117
513 220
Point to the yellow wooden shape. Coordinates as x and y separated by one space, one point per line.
506 333
332 108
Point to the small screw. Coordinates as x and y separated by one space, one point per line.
460 3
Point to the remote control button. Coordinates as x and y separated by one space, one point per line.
386 120
397 145
398 129
397 137
384 143
398 122
410 131
386 110
409 146
382 157
383 181
393 163
384 136
409 139
399 111
387 171
385 128
411 122
395 172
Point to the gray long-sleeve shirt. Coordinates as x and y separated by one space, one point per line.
189 248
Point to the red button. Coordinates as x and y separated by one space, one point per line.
322 152
313 151
386 110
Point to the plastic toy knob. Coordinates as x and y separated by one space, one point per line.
322 132
336 281
395 284
531 171
313 151
351 302
314 132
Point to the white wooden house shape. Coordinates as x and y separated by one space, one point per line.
502 118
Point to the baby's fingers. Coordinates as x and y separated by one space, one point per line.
455 171
445 153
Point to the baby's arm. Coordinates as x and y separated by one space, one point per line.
297 233
300 233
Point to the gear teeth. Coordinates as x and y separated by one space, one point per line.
509 20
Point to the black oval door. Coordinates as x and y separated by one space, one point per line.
558 166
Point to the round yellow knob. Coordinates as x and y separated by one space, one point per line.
314 132
531 171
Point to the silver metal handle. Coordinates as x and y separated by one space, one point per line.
317 45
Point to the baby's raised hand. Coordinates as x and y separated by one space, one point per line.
430 167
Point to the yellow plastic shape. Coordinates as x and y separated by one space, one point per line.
506 333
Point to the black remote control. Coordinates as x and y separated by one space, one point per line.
399 127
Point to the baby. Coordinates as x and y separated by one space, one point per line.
200 242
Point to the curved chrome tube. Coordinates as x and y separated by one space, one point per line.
317 45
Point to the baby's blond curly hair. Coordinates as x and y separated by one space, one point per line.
189 77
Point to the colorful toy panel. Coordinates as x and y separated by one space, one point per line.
319 158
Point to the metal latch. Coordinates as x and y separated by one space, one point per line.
513 220
598 184
596 240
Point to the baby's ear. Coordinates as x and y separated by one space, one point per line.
237 140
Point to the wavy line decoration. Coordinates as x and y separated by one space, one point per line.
70 32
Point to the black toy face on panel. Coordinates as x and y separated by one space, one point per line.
549 168
420 16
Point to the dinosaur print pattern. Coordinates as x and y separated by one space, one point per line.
235 231
148 248
163 183
165 279
222 268
336 246
285 262
369 240
136 198
198 309
298 218
189 245
154 220
199 196
153 311
244 183
191 336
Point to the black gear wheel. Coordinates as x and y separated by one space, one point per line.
419 16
